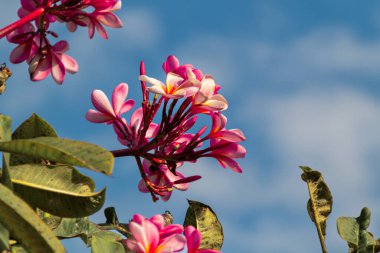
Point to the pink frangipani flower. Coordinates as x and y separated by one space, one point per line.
33 43
176 87
207 98
150 236
105 113
52 60
194 239
161 176
172 65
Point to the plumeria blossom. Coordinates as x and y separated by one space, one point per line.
176 87
207 98
151 236
161 176
33 45
172 65
194 239
160 147
105 113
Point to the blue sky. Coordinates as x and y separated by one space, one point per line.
302 81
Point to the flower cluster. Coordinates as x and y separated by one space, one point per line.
33 45
164 147
152 236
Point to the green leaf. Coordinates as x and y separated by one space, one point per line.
4 238
49 219
203 218
5 135
58 190
63 151
354 232
73 227
320 203
25 226
106 242
33 127
18 249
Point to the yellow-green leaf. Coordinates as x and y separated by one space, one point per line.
320 203
58 190
5 135
106 242
33 127
203 218
25 226
63 151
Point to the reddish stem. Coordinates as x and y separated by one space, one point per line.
22 21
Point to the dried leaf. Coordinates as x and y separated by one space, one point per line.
320 203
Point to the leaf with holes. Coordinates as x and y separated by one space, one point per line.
203 218
33 127
58 190
320 203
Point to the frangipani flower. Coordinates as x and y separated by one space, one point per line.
160 149
52 60
176 87
105 113
172 65
161 176
207 98
33 43
150 236
194 239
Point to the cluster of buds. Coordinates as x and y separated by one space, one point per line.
33 45
152 236
161 149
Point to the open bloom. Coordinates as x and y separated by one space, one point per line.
151 236
105 113
207 98
176 87
194 239
33 43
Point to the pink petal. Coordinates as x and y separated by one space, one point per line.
101 102
20 53
170 230
173 244
91 29
228 162
142 186
58 70
194 238
152 130
219 121
136 118
159 221
71 26
138 218
40 69
134 246
97 117
172 82
198 74
118 97
110 19
229 135
70 63
127 106
207 86
102 32
170 64
61 46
